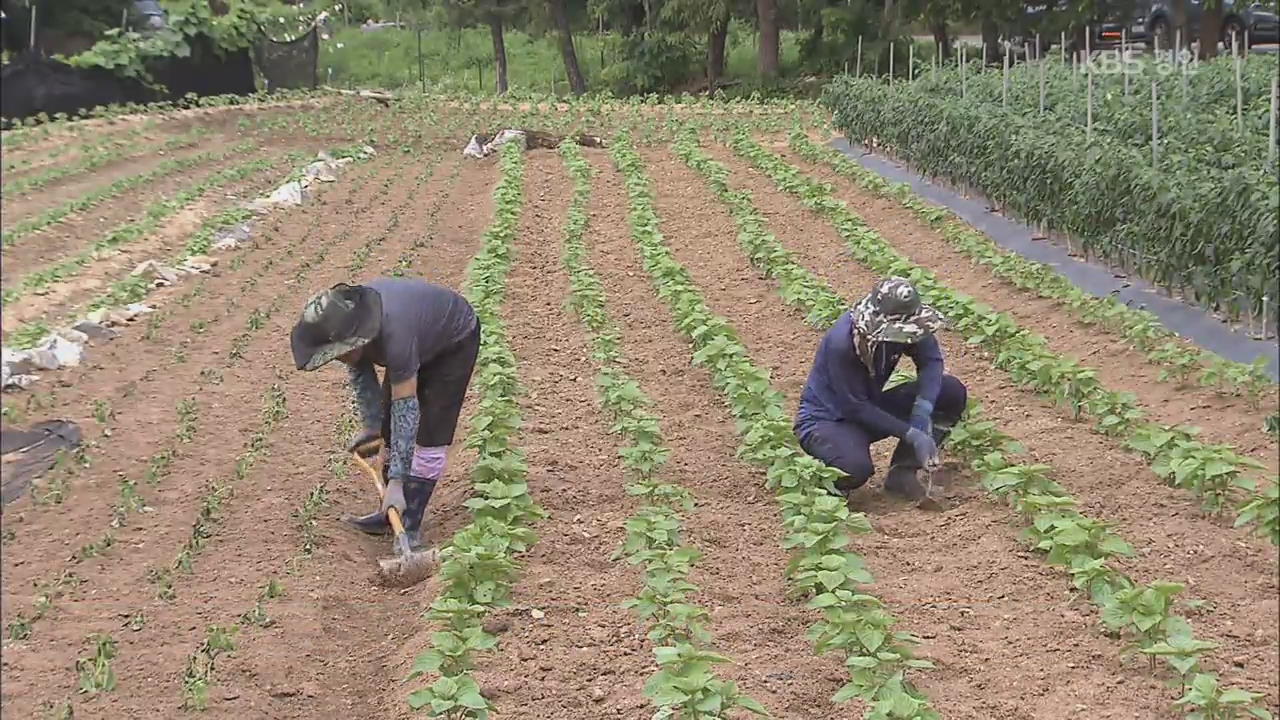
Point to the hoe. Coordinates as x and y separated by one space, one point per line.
408 566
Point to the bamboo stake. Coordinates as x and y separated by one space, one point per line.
1042 87
1155 127
1062 48
963 74
1088 122
1239 88
1004 83
1124 58
858 71
1275 110
890 63
911 62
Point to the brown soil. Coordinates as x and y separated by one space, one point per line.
736 522
1009 636
67 237
1174 540
56 301
1223 419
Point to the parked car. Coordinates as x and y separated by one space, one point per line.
1254 21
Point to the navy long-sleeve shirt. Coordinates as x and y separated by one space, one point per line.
841 389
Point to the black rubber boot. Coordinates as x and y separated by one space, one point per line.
417 493
375 523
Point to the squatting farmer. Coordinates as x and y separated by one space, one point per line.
427 338
844 407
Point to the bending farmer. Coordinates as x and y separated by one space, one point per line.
427 338
844 407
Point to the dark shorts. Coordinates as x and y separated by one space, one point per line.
442 386
847 447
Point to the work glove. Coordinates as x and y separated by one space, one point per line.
366 443
394 495
925 449
922 416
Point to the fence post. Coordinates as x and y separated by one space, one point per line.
1088 122
964 70
1239 87
890 63
1124 58
1275 110
1062 48
1004 82
1155 127
858 60
422 75
1042 87
911 61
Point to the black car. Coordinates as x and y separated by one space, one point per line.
1254 21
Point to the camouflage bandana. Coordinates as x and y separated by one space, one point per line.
891 312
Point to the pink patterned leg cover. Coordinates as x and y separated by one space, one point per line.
428 462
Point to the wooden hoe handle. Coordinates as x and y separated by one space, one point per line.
393 515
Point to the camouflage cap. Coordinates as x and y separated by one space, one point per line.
335 321
892 312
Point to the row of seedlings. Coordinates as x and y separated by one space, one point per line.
1213 472
1084 547
684 686
819 525
151 218
1140 328
12 236
478 565
92 160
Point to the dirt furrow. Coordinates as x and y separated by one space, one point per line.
248 550
145 662
333 651
75 232
736 522
1174 541
1221 418
581 655
144 396
63 298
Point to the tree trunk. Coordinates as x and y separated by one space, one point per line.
941 38
565 34
1210 29
990 38
715 49
767 55
499 52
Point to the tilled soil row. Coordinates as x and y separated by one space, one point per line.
78 234
736 522
332 652
248 551
128 162
1234 572
168 634
568 648
1222 419
144 395
62 299
79 229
